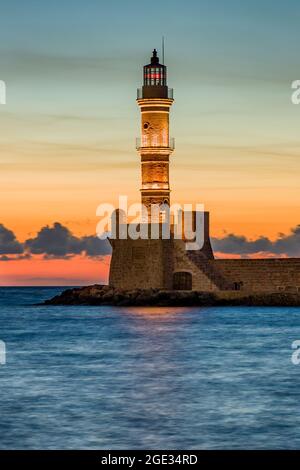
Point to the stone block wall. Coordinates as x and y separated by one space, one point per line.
261 275
183 263
141 264
146 264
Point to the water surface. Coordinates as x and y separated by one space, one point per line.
146 378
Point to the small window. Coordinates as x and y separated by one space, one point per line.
182 281
238 285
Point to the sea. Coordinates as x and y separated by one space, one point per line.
76 377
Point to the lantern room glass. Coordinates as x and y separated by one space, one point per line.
155 75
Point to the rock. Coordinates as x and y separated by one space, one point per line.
106 295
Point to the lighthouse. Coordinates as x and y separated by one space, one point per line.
158 263
155 144
165 264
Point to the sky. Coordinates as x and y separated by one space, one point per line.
67 131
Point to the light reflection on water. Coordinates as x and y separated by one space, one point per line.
102 377
149 311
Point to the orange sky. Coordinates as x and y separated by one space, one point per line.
253 201
37 271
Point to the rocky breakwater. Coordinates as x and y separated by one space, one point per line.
105 295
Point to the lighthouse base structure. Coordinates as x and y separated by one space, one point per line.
164 264
167 265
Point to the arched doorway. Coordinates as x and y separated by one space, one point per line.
182 281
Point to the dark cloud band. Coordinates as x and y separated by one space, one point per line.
9 245
52 242
58 241
284 245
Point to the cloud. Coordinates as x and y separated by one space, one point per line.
59 242
54 241
15 257
93 246
9 245
241 245
288 245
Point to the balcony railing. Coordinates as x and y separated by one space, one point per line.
170 93
147 142
140 93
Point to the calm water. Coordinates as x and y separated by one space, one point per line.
102 377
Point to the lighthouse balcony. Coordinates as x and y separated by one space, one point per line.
155 185
152 143
155 91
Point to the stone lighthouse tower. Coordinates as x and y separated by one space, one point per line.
157 263
155 145
166 263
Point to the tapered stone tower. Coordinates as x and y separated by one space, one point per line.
155 145
157 263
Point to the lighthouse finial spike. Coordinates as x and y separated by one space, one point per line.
154 58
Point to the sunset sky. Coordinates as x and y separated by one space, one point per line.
67 132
